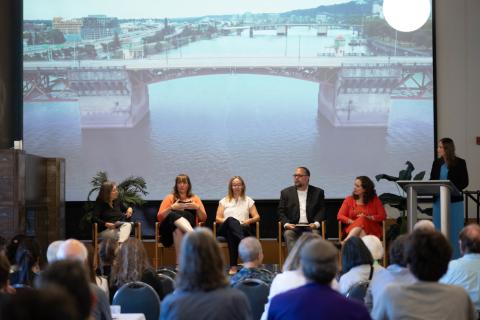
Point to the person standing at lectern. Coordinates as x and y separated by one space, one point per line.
450 167
301 207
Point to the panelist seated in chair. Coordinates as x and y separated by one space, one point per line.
362 212
301 207
114 221
236 212
250 250
179 213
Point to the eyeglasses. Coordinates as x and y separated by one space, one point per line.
299 175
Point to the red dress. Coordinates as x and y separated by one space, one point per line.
350 209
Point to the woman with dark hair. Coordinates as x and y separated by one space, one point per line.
202 289
357 264
236 212
132 264
108 214
450 167
27 262
362 212
179 212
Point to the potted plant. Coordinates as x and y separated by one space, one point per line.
399 201
130 194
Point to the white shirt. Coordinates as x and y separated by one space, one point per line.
355 275
238 209
302 200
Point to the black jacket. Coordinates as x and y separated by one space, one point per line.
457 174
289 207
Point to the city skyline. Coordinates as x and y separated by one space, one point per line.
127 9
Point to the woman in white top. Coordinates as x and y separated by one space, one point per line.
235 213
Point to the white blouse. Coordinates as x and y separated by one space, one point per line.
238 209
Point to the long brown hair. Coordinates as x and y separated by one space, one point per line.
105 192
182 178
201 263
293 260
230 189
449 148
130 262
369 187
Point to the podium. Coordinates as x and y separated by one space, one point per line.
442 188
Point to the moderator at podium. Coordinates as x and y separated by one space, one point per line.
450 167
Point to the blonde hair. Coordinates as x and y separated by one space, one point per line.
230 188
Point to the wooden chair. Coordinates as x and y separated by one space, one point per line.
281 244
137 231
222 242
384 241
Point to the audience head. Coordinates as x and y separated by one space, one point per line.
182 181
250 250
427 254
355 253
72 249
470 239
27 258
201 264
130 263
374 245
397 251
70 275
52 250
365 188
293 259
4 272
108 192
237 183
52 303
318 259
13 246
424 225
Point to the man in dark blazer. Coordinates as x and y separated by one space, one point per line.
301 207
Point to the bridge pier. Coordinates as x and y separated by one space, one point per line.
109 98
358 96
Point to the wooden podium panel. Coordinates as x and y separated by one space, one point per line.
32 196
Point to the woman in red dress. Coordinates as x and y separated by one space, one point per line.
362 213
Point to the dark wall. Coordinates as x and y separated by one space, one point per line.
147 216
11 67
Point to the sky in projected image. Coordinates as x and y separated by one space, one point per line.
221 88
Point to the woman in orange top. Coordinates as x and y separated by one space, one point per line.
362 212
179 212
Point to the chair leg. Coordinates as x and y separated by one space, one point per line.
384 240
324 228
279 245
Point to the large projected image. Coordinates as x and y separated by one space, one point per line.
220 88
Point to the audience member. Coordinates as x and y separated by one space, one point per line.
100 281
465 271
375 246
316 299
27 262
251 254
292 276
12 247
427 255
235 213
75 250
3 246
5 288
357 264
52 303
107 252
424 225
52 250
202 288
396 272
71 276
301 207
131 264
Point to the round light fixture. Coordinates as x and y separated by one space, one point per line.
406 15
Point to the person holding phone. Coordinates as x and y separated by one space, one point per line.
112 219
179 212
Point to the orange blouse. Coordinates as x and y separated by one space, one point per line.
170 200
373 211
